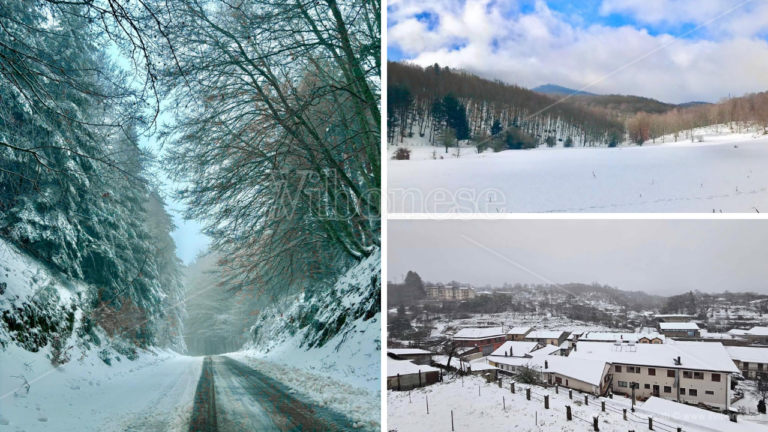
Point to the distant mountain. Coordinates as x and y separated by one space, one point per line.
559 90
692 104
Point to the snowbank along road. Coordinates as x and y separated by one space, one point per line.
233 397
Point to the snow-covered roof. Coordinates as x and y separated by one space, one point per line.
406 367
519 348
629 337
697 418
748 354
707 335
678 326
708 356
673 316
546 350
519 330
463 365
407 351
545 334
737 332
479 333
587 370
758 331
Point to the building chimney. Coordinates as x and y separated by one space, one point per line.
679 362
546 364
574 347
506 354
510 352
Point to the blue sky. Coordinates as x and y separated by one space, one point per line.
578 43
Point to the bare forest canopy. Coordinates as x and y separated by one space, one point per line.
518 118
275 135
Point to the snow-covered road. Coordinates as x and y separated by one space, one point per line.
701 177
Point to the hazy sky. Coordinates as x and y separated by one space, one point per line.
576 43
664 257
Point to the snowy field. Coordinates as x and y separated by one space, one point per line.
478 406
725 172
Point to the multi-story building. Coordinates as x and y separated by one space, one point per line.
757 335
450 293
752 362
688 372
486 339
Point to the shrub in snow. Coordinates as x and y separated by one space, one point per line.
700 138
104 356
402 153
550 141
59 351
568 142
122 347
516 139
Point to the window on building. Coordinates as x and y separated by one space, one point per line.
698 375
746 365
687 374
618 368
667 389
709 392
558 380
652 371
682 391
647 386
670 373
716 377
622 384
693 392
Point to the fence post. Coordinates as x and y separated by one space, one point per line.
570 394
478 390
499 382
528 393
603 405
451 420
504 402
420 378
546 402
650 423
610 395
568 415
512 387
595 424
427 404
586 400
557 389
625 414
398 382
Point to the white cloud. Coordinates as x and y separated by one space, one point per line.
544 47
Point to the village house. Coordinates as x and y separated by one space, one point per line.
689 372
486 370
518 333
450 293
757 335
405 375
751 361
679 329
547 337
516 349
643 338
416 355
519 354
486 339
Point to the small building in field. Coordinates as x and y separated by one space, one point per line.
486 339
679 329
416 355
518 333
751 361
547 337
590 376
405 375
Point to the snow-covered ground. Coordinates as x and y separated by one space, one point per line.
345 373
154 392
724 173
478 406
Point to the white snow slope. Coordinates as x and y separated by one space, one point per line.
726 172
154 392
344 374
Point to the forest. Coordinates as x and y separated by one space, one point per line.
268 117
426 101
